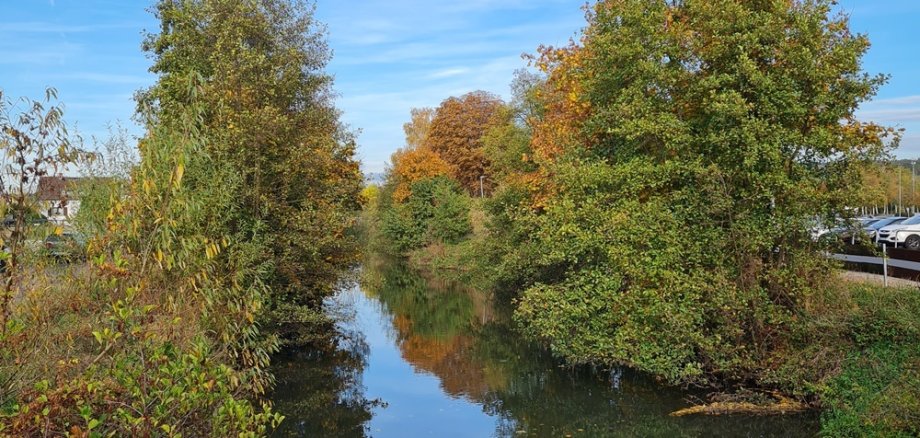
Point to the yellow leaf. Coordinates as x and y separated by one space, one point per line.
180 171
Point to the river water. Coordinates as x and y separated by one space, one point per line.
423 358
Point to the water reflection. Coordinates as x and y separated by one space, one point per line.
320 390
443 361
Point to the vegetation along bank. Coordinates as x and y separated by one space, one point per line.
206 252
647 200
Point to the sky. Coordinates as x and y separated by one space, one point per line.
389 56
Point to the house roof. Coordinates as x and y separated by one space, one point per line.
56 188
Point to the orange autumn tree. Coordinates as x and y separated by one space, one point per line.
411 165
415 161
564 107
456 136
554 112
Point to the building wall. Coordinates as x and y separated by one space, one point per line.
60 212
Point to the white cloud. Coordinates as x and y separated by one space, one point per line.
58 54
897 110
892 115
401 54
450 72
909 147
905 100
902 112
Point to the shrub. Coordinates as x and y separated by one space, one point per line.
436 211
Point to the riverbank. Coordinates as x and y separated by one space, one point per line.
851 353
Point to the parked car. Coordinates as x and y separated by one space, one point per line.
818 229
864 228
872 229
906 234
66 246
842 230
31 219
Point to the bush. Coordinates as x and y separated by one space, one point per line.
169 343
869 335
450 221
436 211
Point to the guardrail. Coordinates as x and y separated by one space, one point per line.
885 261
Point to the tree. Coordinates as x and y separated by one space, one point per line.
688 145
417 128
527 89
564 109
415 161
507 144
413 165
456 135
34 143
436 211
269 112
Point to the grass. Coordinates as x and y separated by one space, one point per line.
57 317
876 394
855 352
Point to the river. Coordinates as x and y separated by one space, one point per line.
423 358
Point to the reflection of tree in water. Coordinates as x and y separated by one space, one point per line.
459 336
434 325
319 390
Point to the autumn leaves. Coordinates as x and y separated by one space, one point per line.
447 141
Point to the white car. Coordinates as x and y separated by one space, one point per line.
871 228
906 234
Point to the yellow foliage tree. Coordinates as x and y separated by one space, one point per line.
417 128
414 164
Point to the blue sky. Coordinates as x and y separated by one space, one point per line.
390 56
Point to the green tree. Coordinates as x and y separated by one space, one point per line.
269 112
450 221
507 144
437 210
707 136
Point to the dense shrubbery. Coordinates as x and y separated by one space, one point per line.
218 243
157 334
436 211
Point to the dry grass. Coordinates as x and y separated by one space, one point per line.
58 315
780 406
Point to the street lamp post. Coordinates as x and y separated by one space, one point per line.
482 191
913 174
900 192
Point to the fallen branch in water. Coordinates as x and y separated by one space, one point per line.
782 405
